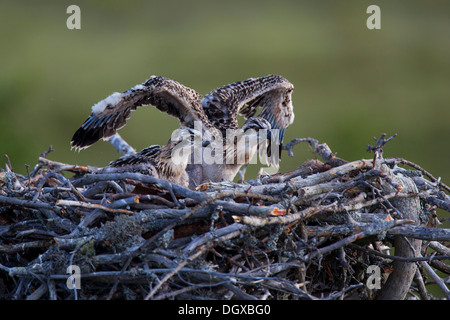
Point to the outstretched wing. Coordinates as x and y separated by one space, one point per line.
272 93
111 114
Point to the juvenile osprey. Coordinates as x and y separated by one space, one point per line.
216 112
222 106
165 162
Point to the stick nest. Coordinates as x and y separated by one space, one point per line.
323 231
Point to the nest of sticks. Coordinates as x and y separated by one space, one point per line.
327 230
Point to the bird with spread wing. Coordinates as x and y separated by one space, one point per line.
217 113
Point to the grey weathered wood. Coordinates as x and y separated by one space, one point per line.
399 281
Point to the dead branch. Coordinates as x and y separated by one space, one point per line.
121 145
309 234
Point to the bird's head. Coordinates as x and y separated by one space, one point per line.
184 136
269 139
260 126
184 141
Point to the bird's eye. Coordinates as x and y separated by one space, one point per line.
192 138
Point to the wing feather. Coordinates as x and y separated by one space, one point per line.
144 156
272 93
111 114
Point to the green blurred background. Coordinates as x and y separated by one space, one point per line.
351 83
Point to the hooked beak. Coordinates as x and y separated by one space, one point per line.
206 143
269 135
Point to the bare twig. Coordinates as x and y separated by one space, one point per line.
436 278
417 167
68 203
121 145
303 234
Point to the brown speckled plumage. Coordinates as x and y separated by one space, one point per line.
217 112
158 161
166 95
272 93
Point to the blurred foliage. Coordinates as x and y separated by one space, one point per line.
351 83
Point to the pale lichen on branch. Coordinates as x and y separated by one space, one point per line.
310 233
